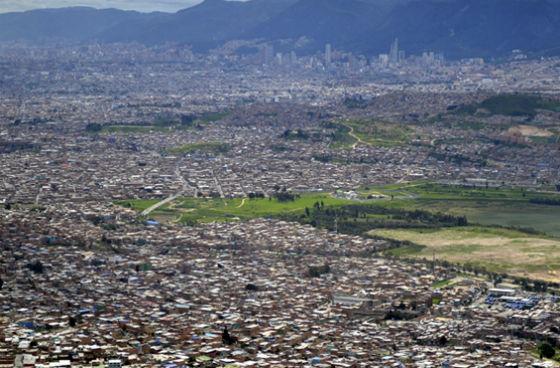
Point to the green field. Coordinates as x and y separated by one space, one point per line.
503 213
495 249
161 124
341 138
377 133
531 250
192 210
429 190
347 134
488 207
501 207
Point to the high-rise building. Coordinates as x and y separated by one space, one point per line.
394 52
293 58
279 59
268 54
383 60
328 54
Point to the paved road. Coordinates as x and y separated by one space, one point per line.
151 209
218 185
171 198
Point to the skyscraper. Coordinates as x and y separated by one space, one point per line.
293 58
268 54
328 54
394 52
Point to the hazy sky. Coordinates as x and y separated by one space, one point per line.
141 5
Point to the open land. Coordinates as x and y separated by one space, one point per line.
498 250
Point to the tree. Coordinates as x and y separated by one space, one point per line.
228 339
251 287
94 128
317 271
546 350
36 267
285 196
188 119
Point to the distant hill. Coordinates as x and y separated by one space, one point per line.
207 24
512 105
77 24
323 21
459 28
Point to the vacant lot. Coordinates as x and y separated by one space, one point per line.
498 250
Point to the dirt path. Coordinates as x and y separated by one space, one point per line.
353 135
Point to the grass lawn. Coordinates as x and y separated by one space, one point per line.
192 210
441 284
496 249
380 134
374 133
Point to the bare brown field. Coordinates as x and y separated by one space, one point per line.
498 250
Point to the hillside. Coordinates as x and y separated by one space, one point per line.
459 28
76 24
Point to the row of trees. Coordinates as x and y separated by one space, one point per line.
360 218
285 196
546 201
525 283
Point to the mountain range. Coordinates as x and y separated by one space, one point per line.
458 28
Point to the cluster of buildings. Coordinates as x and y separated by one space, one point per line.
112 291
84 282
68 164
230 77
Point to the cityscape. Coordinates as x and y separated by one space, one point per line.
275 202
